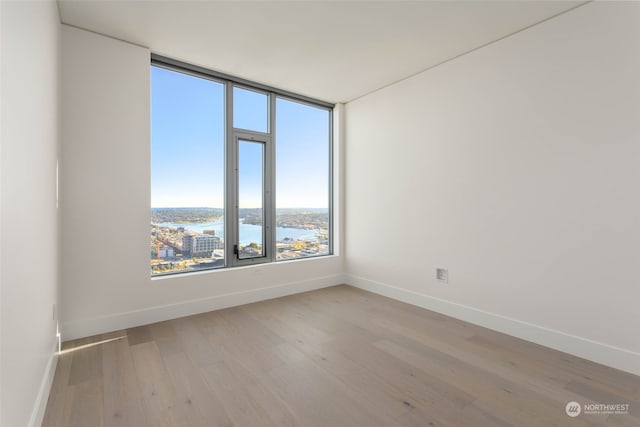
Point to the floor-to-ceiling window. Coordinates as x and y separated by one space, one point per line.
241 174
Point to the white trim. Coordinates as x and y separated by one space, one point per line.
37 415
113 322
598 352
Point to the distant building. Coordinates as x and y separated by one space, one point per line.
166 252
201 245
209 232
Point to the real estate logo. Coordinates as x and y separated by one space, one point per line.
606 408
573 409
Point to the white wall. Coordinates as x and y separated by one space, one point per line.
106 205
29 217
517 168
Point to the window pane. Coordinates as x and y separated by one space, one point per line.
250 110
187 172
250 199
302 180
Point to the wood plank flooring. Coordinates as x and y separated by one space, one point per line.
334 357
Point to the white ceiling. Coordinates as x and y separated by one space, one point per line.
331 50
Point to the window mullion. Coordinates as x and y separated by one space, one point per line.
271 180
231 208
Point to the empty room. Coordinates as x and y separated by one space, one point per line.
319 213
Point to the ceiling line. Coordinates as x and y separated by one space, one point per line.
77 27
465 53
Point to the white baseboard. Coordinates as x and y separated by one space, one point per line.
37 415
103 324
605 354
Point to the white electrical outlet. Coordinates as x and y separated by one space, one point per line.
442 275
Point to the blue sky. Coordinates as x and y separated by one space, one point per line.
187 138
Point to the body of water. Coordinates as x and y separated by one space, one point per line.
248 233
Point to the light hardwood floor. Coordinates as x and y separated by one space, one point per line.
334 357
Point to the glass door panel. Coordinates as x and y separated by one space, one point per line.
251 212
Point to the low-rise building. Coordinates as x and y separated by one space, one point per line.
200 245
166 252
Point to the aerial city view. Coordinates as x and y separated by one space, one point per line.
192 146
191 239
